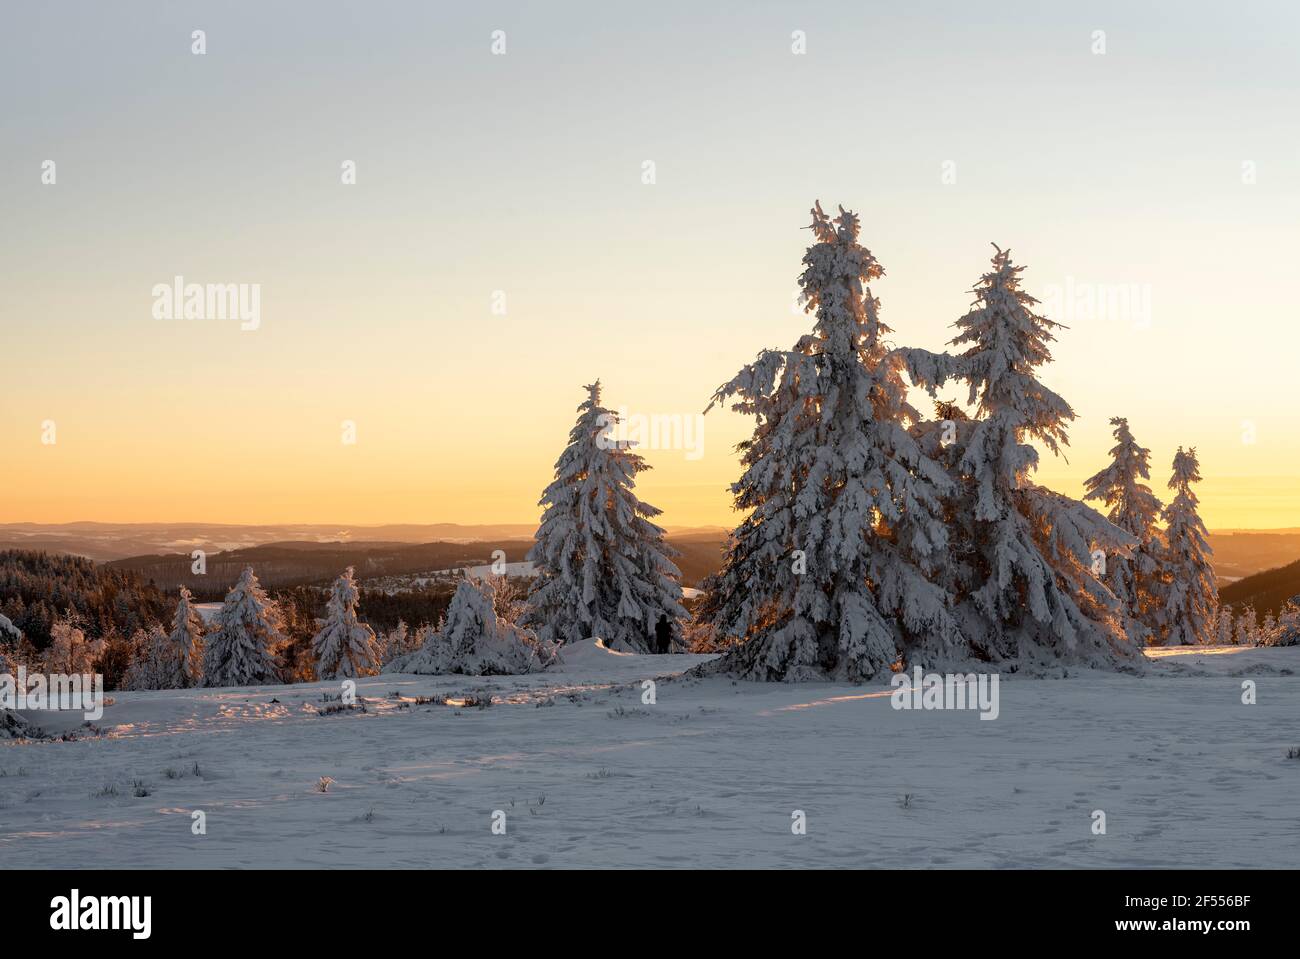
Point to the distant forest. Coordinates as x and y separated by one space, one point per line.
113 604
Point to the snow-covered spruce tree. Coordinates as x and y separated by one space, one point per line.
475 641
830 574
1187 593
1032 599
242 649
344 647
1133 508
187 637
604 569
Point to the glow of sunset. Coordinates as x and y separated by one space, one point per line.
1120 173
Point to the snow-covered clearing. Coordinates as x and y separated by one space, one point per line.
708 776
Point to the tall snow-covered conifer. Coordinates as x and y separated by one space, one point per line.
344 647
1187 593
604 569
830 573
1135 510
1029 595
242 650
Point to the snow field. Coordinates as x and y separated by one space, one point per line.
588 775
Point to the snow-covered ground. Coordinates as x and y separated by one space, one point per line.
709 775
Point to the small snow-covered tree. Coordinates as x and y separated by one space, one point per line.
510 597
70 650
242 649
1030 594
344 647
1266 629
475 641
833 572
12 726
1223 625
10 637
1186 593
187 638
1122 487
1247 627
398 641
168 660
604 568
156 662
1287 630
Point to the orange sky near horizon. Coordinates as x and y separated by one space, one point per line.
501 245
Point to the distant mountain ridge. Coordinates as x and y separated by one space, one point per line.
110 541
113 541
299 563
296 554
304 563
1266 591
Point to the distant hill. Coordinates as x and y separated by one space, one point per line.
1266 591
701 555
111 541
1243 553
304 563
301 563
411 547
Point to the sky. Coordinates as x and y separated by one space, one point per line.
505 243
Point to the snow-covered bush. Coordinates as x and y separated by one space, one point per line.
401 640
475 641
70 650
344 647
510 597
242 650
